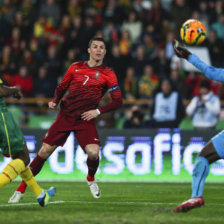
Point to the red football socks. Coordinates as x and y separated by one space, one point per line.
92 168
89 178
35 166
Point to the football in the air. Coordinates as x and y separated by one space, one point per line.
193 32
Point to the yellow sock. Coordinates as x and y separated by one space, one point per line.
28 177
11 171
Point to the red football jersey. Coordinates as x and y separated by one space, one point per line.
86 86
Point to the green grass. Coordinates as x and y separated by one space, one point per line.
120 203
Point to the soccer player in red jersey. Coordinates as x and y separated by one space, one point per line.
86 83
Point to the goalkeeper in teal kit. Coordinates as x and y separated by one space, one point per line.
214 149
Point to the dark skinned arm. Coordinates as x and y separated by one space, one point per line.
8 91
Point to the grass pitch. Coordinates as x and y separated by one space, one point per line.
120 203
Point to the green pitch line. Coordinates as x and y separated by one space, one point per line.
127 203
90 202
123 203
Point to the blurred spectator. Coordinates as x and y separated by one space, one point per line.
74 8
42 84
5 30
150 46
87 32
204 108
178 81
216 48
110 33
192 80
65 26
52 33
203 12
180 12
125 47
218 26
37 50
109 12
133 26
27 8
169 45
7 60
50 9
71 57
156 15
137 5
167 109
28 16
139 60
117 63
125 43
23 80
8 9
28 60
16 43
135 118
115 11
215 9
148 83
74 37
161 64
63 35
53 63
39 27
166 4
24 28
130 84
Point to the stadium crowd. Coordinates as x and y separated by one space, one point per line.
39 39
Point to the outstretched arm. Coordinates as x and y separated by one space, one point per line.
210 72
8 91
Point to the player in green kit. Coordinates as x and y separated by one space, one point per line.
12 144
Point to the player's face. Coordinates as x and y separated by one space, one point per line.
97 50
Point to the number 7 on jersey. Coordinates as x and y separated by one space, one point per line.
87 78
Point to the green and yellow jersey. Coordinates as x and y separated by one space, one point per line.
11 137
2 102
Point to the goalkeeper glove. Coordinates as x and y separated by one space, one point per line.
180 50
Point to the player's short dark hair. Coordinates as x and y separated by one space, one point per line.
97 39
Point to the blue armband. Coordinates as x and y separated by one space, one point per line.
113 88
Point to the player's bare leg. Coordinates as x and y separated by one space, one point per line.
35 166
93 162
207 156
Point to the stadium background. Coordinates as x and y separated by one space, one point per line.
45 37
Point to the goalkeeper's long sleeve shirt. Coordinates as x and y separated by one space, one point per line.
210 72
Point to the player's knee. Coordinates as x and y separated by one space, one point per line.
24 156
93 155
26 160
93 152
46 150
